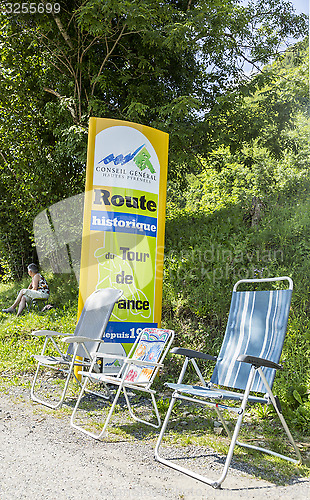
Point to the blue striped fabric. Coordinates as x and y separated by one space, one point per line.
256 326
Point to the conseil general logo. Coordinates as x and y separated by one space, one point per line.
140 156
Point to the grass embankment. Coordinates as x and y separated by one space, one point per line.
16 343
187 429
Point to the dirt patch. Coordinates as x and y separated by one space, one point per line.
42 457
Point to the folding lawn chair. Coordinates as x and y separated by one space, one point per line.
87 337
137 373
247 361
38 303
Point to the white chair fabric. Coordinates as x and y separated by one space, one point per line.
87 336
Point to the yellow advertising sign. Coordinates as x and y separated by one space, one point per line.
124 223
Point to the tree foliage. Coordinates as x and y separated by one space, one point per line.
164 64
265 108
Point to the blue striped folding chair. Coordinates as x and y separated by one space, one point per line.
246 364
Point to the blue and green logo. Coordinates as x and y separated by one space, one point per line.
140 156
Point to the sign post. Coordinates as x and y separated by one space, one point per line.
124 223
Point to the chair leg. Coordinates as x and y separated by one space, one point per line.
278 411
82 429
117 395
156 426
200 477
173 465
53 406
35 304
32 394
169 463
229 434
72 423
44 402
163 429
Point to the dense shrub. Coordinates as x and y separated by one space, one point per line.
242 219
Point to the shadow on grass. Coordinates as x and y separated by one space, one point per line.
190 442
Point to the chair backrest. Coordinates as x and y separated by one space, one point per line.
94 318
256 326
151 345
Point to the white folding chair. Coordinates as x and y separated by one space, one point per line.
137 373
86 339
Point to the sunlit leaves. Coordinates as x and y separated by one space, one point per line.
167 64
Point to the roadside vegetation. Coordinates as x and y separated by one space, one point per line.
238 194
198 428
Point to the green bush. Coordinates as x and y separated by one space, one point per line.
213 240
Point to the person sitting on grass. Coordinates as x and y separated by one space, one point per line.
38 289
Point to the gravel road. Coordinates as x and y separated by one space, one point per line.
42 457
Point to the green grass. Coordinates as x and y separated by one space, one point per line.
17 346
210 247
16 343
198 429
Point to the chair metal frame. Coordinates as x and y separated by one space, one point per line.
193 394
34 303
78 347
122 380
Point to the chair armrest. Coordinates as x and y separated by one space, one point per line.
108 355
129 361
189 353
79 340
141 362
253 360
48 333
